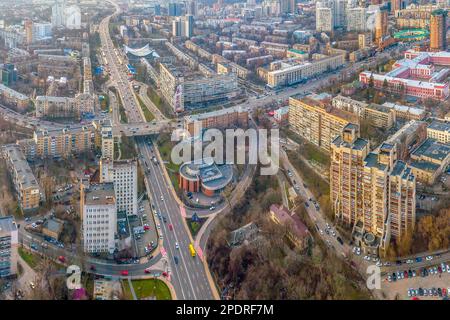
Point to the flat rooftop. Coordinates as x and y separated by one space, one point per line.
212 176
100 194
216 113
25 176
371 161
60 131
378 107
430 148
358 144
7 225
424 165
12 92
439 125
406 109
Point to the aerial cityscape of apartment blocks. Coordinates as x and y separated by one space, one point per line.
129 168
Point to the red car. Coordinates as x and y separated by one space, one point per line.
62 259
124 272
170 227
165 274
146 228
146 271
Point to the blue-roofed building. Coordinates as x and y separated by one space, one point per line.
429 160
439 130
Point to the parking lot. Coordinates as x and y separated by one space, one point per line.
434 280
144 225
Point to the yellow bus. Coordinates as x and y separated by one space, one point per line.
192 250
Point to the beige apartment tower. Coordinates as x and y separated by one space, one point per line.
438 30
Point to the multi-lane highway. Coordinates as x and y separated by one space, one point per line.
188 276
187 273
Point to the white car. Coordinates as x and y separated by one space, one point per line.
409 261
162 198
177 246
428 258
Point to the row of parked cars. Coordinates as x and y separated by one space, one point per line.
423 272
441 292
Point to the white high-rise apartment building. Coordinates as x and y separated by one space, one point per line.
123 174
99 217
107 143
356 19
72 17
324 18
58 13
342 14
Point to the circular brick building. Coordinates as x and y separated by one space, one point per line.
204 176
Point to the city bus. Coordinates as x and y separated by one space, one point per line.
192 250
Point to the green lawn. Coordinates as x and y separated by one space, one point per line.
165 149
160 103
116 150
31 259
123 115
194 227
127 147
147 288
104 105
308 150
126 290
147 114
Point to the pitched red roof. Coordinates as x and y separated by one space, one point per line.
287 217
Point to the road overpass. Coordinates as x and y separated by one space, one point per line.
141 128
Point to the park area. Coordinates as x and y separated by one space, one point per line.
146 289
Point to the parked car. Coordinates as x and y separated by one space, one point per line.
124 272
